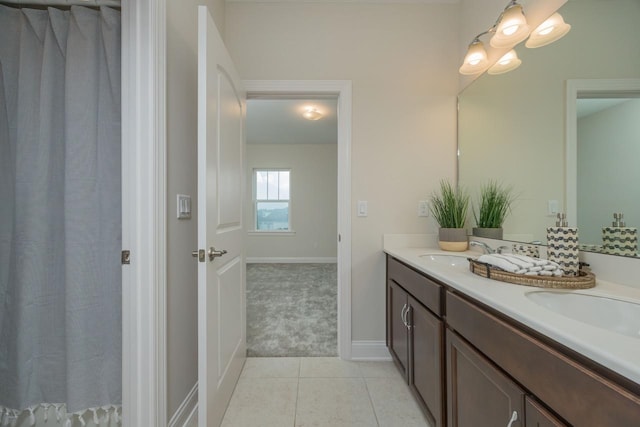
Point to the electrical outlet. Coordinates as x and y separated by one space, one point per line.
423 208
553 207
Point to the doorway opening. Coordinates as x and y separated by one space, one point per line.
298 248
291 215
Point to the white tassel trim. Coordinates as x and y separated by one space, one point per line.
32 416
9 417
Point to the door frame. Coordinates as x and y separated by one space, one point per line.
144 230
341 88
585 88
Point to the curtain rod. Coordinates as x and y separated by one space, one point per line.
90 3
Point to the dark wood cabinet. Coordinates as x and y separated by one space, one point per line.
479 395
415 336
571 389
426 355
537 415
476 373
397 332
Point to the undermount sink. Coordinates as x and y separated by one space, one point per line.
622 317
447 259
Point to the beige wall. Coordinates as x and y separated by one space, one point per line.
182 342
401 59
314 200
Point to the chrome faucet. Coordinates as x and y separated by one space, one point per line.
488 249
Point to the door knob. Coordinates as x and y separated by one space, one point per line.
213 253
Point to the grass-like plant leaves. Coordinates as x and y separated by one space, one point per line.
450 206
495 203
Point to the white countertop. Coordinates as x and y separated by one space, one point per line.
618 352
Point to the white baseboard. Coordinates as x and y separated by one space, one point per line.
292 260
187 414
370 350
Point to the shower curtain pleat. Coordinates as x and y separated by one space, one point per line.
60 229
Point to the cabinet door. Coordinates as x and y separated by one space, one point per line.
478 394
538 416
426 359
398 333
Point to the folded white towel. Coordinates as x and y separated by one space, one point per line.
515 260
498 262
521 264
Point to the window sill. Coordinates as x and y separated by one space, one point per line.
288 233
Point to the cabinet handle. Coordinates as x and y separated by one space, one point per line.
402 314
406 316
514 418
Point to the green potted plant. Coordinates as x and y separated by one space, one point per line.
449 208
493 206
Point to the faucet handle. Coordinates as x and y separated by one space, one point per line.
501 249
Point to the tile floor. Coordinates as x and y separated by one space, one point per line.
321 391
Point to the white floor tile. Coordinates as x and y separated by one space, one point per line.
335 402
328 367
379 370
271 367
330 392
265 402
393 403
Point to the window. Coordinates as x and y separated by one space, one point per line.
272 202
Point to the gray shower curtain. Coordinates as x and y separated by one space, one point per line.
60 209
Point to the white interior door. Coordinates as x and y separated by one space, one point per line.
221 266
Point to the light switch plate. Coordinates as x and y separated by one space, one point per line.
184 206
363 209
553 207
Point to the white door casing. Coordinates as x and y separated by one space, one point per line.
221 280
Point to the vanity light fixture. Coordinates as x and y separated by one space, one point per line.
512 27
312 113
476 59
508 62
549 31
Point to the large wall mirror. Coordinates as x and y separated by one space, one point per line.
512 127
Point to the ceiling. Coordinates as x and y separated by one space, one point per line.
280 121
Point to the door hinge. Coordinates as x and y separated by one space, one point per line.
125 257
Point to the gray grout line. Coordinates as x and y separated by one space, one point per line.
295 407
373 407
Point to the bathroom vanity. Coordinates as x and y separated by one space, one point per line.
482 353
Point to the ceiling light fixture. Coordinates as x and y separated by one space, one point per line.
510 29
549 31
476 59
312 113
508 62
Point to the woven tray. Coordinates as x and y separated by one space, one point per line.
583 281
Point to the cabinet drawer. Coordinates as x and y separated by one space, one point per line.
580 396
422 288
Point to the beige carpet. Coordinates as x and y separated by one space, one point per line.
291 310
